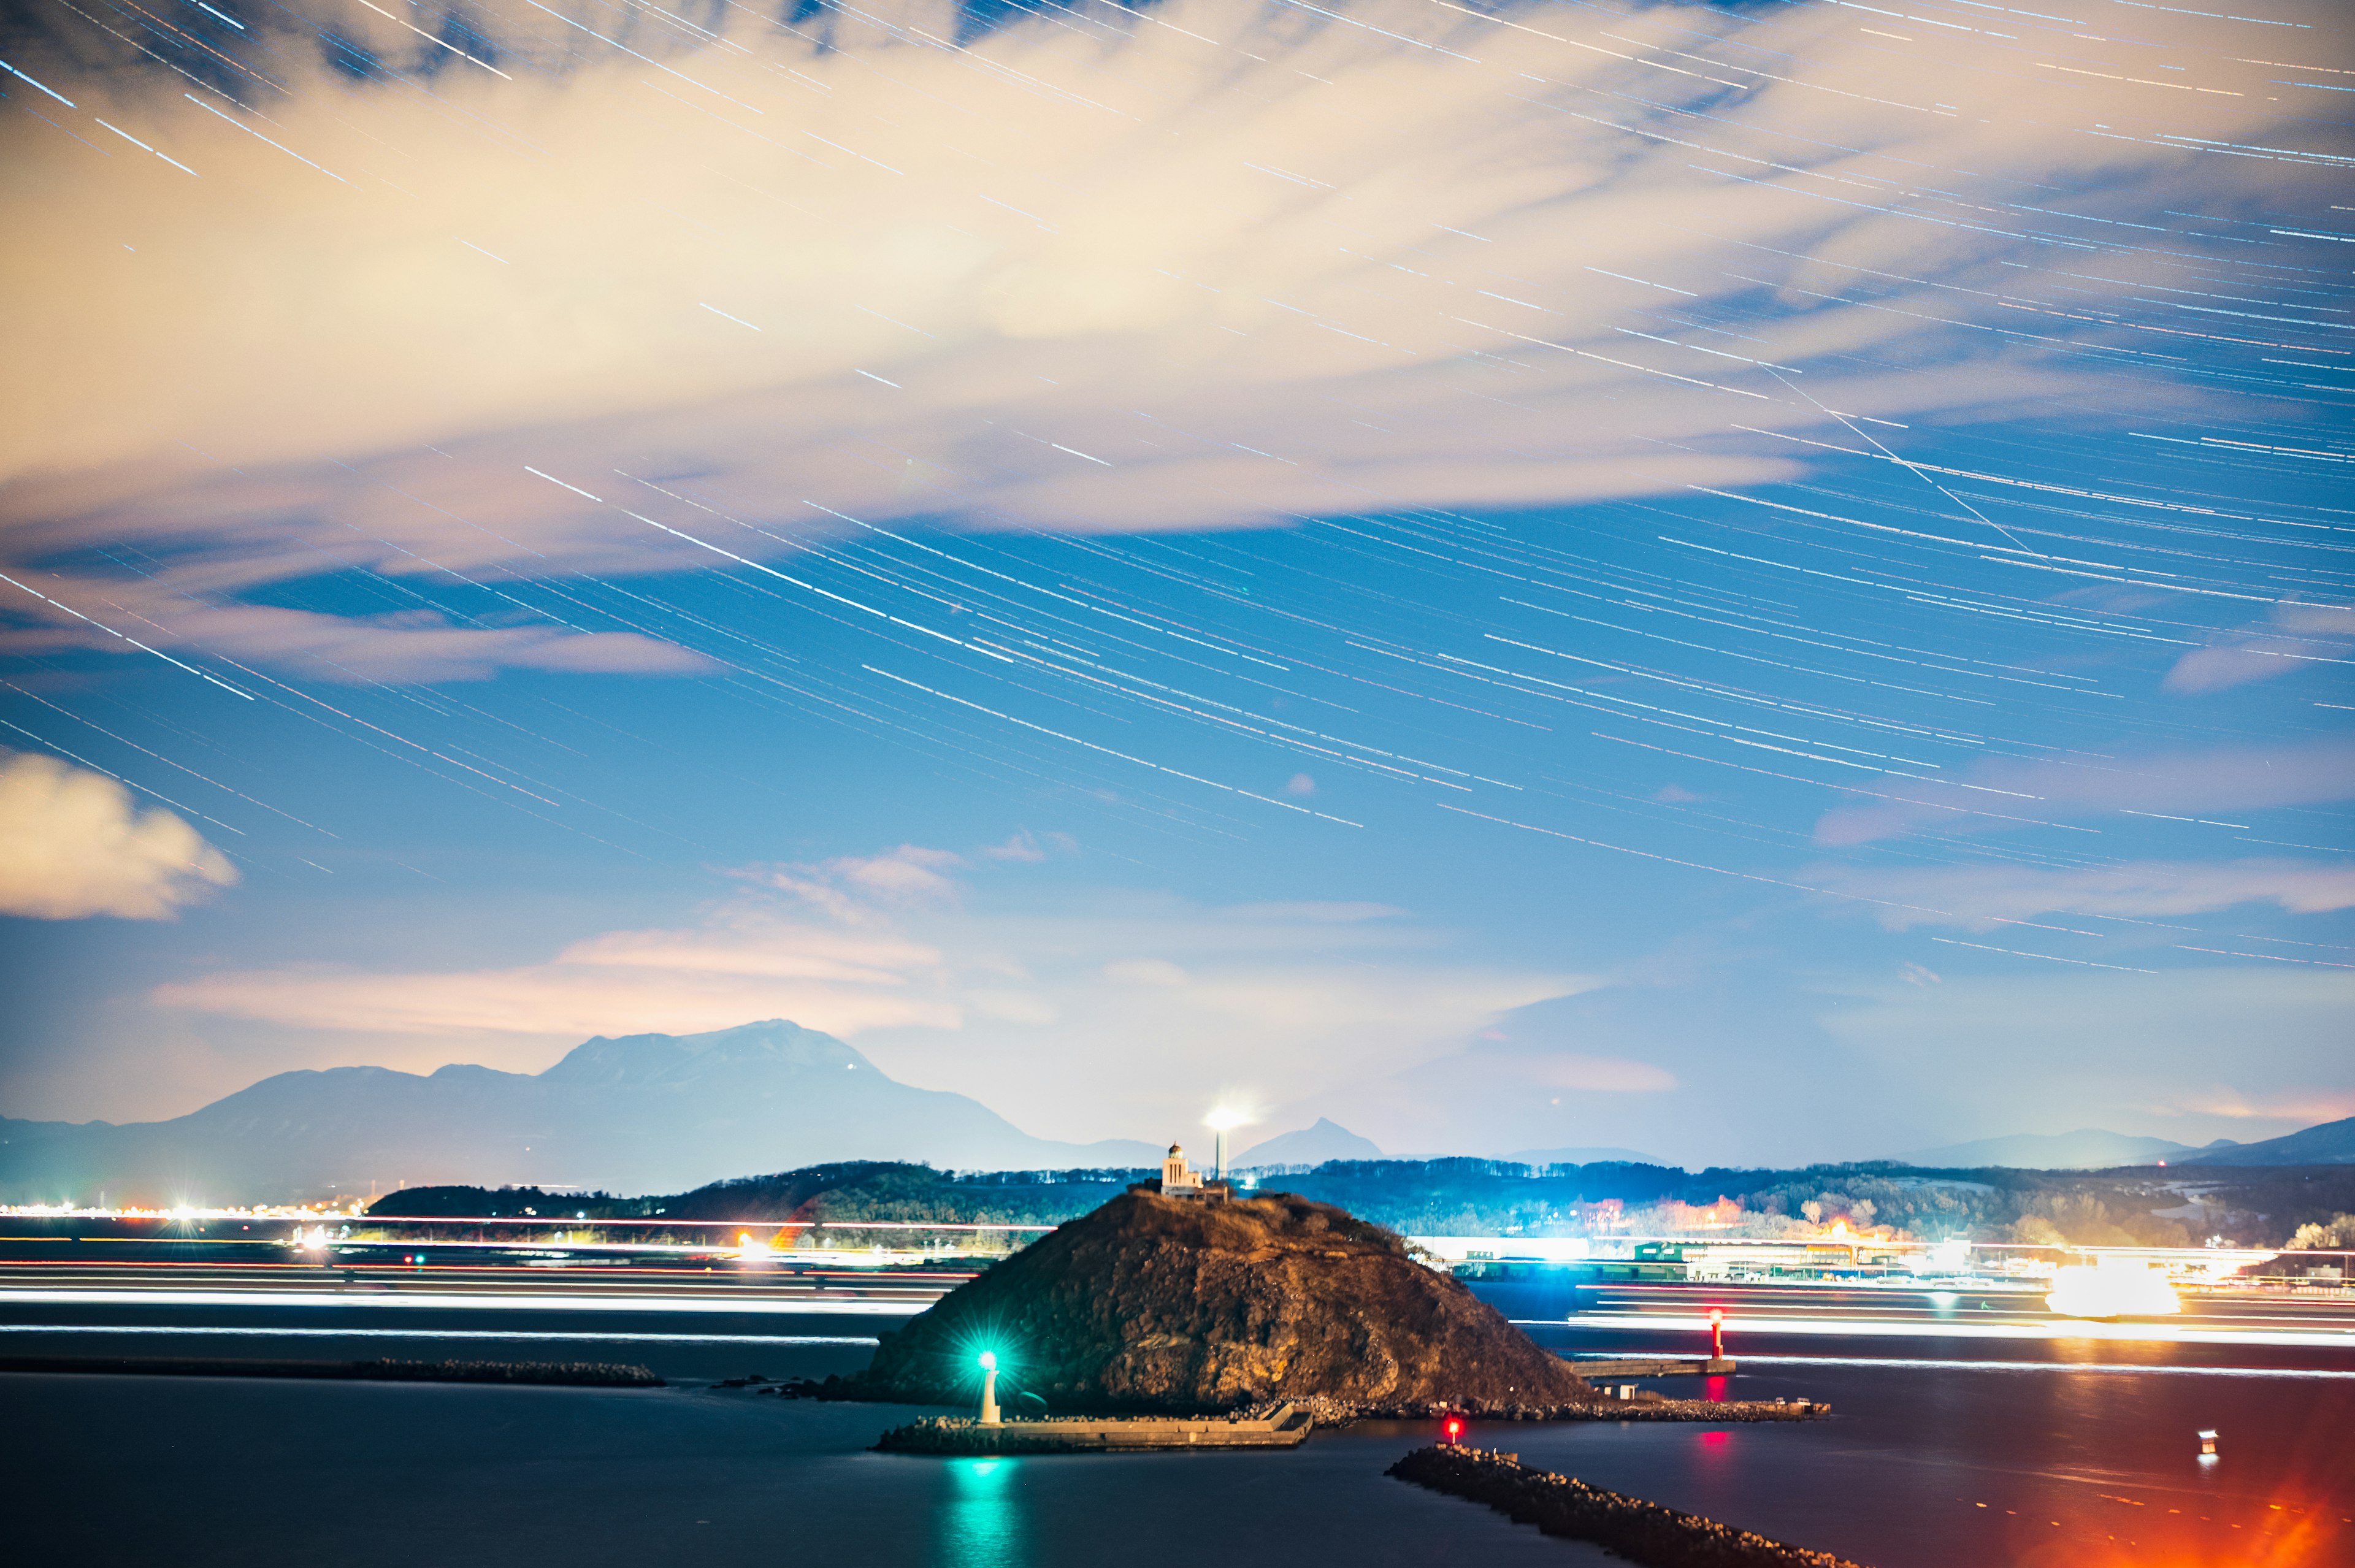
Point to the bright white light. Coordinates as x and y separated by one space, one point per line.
990 1361
2116 1288
1226 1118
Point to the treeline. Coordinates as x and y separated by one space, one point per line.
2245 1206
853 1190
2137 1206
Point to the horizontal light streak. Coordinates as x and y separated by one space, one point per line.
653 1222
1931 1329
551 1335
467 1300
1926 1364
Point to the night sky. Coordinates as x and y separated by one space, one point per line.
1755 582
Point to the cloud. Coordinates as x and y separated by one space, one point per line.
737 968
855 889
1029 848
419 645
1147 972
74 844
1116 1016
2293 636
1599 1075
1331 913
2288 1112
2086 1049
1211 265
2007 792
1978 896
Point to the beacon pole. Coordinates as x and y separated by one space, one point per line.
1717 1333
989 1387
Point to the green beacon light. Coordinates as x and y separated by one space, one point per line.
989 1389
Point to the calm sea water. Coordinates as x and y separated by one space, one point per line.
1924 1466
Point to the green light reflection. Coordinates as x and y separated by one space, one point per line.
982 1523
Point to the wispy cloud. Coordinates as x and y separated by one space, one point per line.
415 646
2008 793
2292 636
1209 265
1979 896
74 844
2196 1046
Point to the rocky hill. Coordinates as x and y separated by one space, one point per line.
1162 1303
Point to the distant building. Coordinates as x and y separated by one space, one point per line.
1180 1179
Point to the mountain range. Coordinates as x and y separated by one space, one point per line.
2087 1149
2090 1148
2331 1143
646 1113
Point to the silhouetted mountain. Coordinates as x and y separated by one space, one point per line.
2088 1149
1312 1146
2333 1143
646 1113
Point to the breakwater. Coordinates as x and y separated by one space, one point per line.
1560 1505
1285 1427
553 1374
1641 1405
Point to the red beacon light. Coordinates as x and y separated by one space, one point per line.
1717 1333
1451 1429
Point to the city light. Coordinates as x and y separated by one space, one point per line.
2115 1288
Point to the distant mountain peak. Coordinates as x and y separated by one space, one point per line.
1327 1139
2087 1149
633 1113
2331 1143
659 1058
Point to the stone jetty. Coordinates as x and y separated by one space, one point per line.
1560 1505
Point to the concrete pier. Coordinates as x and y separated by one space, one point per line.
1650 1366
1284 1427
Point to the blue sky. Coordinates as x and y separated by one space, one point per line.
1733 583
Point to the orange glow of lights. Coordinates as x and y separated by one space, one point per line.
2115 1288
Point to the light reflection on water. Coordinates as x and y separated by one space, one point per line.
982 1520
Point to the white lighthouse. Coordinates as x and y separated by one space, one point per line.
1180 1179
